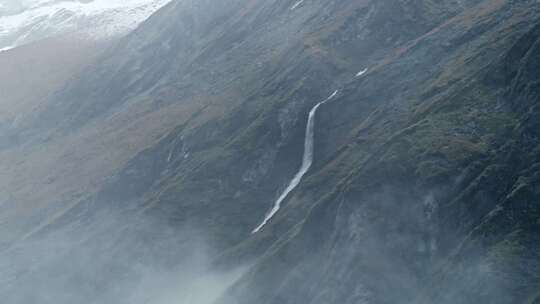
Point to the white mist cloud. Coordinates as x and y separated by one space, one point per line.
108 258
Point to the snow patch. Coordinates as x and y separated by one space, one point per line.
7 48
97 19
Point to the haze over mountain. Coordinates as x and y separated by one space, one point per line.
271 151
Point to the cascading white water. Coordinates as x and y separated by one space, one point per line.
297 4
307 160
362 72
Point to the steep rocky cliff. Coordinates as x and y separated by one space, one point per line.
424 186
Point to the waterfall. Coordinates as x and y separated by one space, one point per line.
307 160
362 72
297 4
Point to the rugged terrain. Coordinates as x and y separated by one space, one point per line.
424 185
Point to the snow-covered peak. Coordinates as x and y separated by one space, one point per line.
25 21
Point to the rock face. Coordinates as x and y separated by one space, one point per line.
424 186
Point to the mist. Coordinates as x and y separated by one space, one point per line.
112 257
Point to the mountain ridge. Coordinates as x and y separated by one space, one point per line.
94 20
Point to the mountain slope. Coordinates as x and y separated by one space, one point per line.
426 216
423 184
